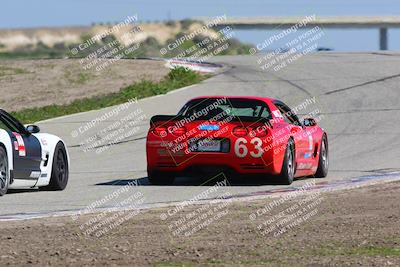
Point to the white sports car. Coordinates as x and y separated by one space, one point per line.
29 159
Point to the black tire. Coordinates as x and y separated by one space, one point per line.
288 168
323 159
60 169
4 172
161 178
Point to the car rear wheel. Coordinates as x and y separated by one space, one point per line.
161 178
60 170
288 168
4 172
323 161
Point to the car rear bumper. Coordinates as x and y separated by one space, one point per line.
210 163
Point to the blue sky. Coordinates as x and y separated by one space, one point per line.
39 13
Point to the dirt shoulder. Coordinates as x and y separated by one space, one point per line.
36 83
354 227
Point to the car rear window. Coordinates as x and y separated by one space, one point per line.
207 108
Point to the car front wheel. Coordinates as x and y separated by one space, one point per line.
4 172
60 169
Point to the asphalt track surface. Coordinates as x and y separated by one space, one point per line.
358 94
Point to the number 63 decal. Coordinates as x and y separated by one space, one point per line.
241 149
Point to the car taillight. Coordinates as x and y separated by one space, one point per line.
179 131
160 131
240 131
260 131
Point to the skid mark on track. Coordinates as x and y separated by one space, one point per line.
363 84
294 85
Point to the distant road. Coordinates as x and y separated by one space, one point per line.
323 21
381 23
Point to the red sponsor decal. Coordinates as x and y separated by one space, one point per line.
21 145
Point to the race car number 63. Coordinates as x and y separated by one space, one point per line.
241 149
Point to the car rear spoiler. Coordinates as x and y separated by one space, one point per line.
158 118
168 118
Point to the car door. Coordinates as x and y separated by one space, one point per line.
27 150
300 134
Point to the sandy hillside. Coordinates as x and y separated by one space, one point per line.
11 39
33 83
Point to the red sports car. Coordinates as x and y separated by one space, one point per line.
238 135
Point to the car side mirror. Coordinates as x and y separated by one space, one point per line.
32 129
309 122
